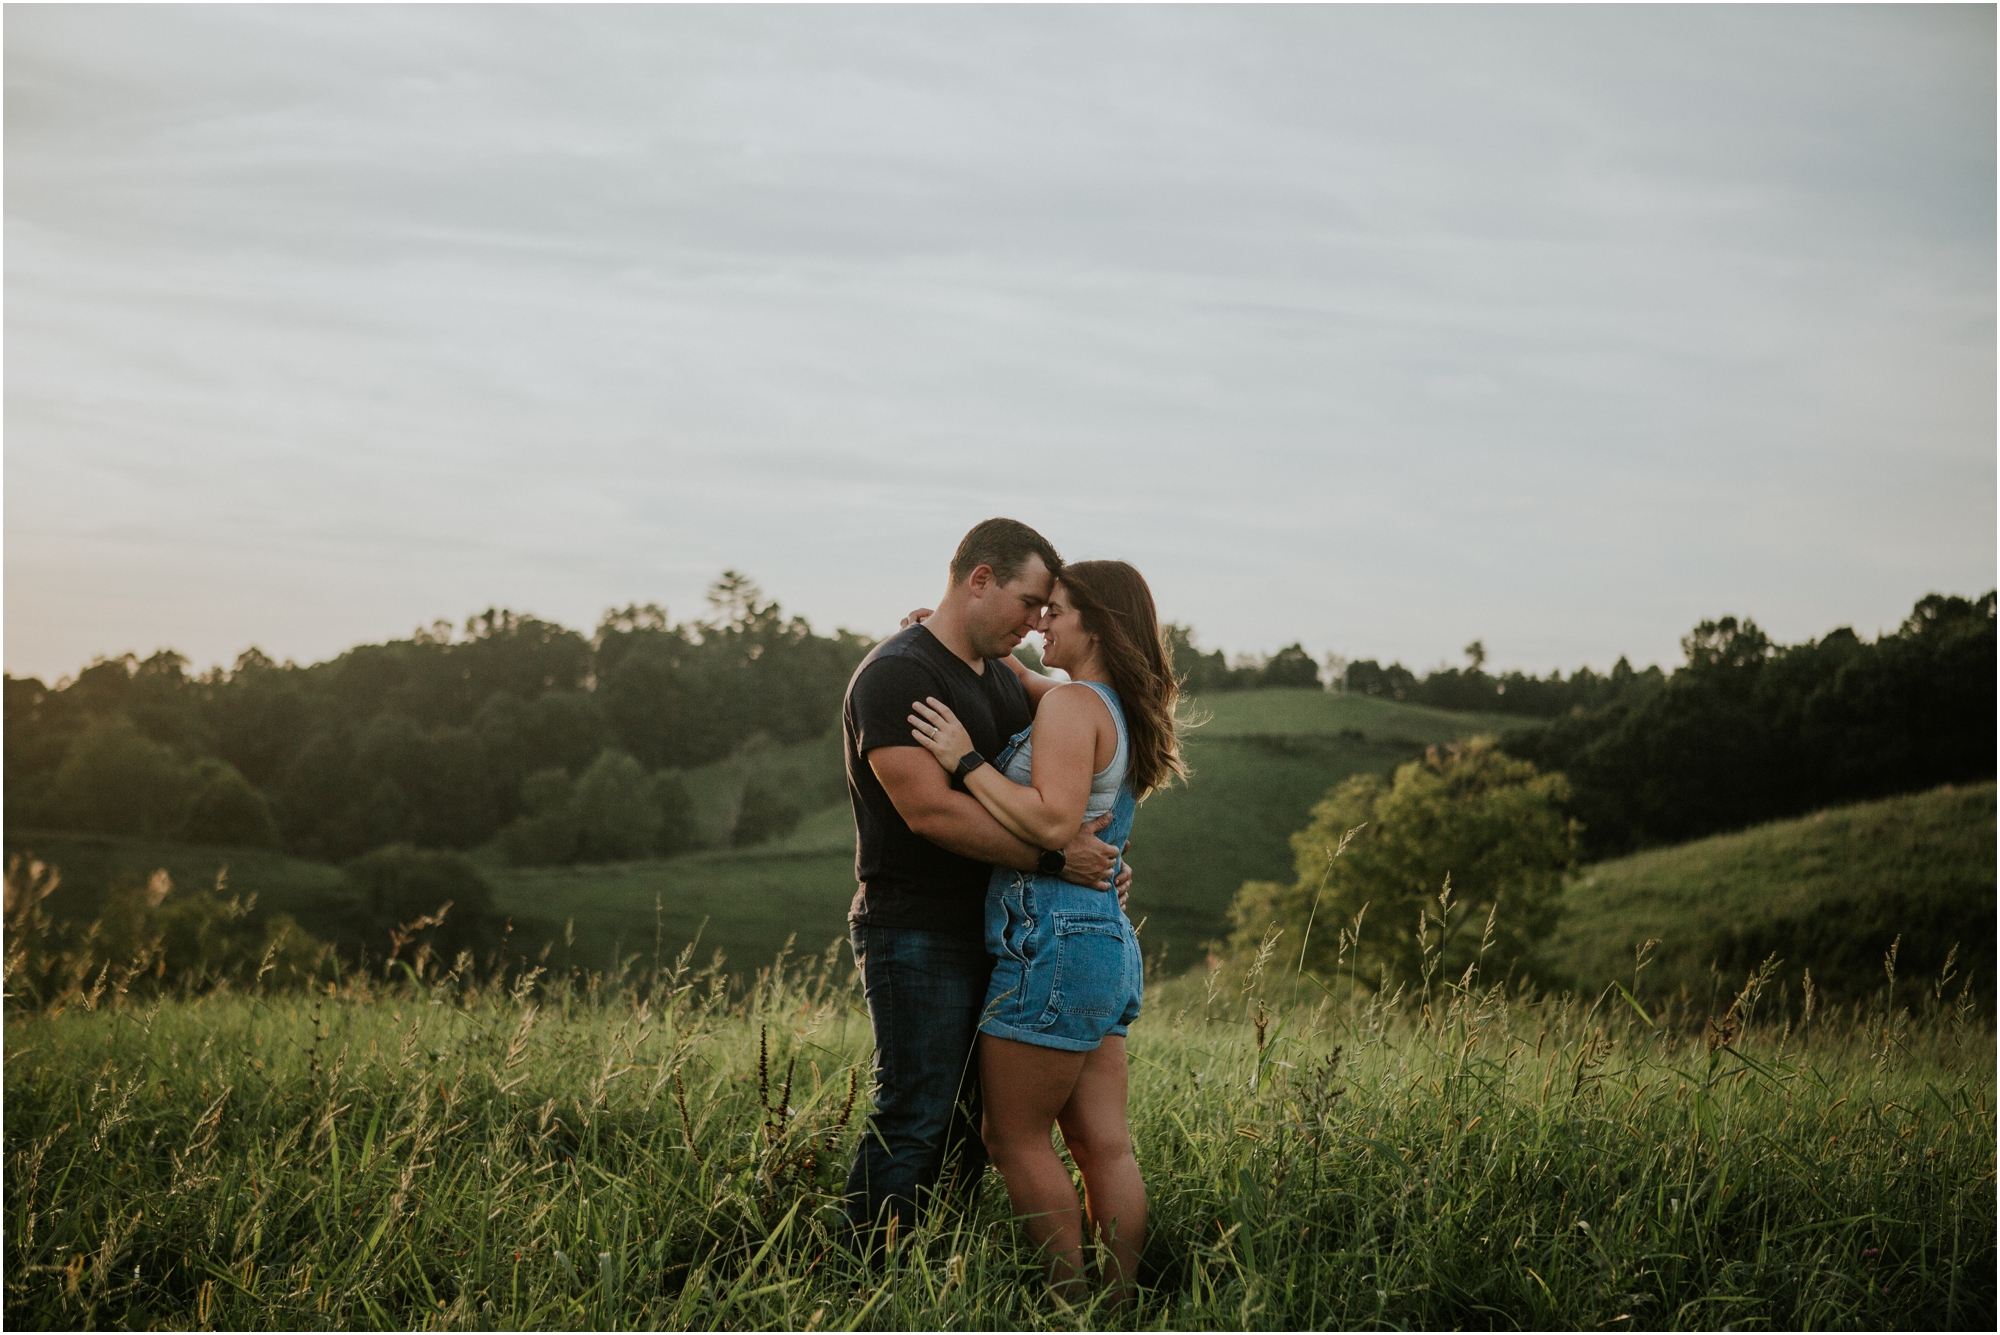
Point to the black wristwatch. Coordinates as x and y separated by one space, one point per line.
1051 862
967 763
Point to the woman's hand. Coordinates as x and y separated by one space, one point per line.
915 618
939 732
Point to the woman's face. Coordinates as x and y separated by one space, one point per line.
1065 643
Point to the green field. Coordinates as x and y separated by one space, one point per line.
94 864
1830 892
1262 759
455 1157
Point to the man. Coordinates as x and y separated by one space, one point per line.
925 850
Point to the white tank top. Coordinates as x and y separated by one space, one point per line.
1020 757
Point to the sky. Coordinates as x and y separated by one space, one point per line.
1381 329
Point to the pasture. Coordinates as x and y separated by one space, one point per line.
1832 892
1261 760
444 1154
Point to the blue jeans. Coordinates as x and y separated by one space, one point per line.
925 991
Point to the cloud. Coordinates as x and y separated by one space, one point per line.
1380 328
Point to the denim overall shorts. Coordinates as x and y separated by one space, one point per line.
1067 969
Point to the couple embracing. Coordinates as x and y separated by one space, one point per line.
991 806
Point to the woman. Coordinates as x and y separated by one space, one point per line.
1068 975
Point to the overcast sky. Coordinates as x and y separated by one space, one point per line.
1379 328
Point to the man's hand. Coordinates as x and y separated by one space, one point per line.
1087 859
1124 878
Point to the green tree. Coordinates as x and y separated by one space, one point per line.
679 831
547 833
766 811
1491 823
114 781
616 815
397 887
225 809
1290 666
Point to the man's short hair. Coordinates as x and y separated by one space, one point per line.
1005 545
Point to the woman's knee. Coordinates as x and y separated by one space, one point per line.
1007 1143
1097 1148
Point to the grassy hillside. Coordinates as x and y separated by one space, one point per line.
810 772
1828 892
1320 713
463 1158
1261 761
94 864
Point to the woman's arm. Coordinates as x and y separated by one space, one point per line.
1047 811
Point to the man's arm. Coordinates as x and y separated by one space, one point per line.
954 820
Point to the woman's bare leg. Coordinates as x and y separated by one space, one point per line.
1023 1088
1099 1139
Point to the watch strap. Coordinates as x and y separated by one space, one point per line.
967 763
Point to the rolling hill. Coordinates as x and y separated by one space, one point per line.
1261 760
1830 892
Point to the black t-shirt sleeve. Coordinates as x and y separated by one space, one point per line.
882 697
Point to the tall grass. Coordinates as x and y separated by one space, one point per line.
653 1148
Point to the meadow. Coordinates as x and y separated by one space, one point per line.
660 1150
1261 760
1832 892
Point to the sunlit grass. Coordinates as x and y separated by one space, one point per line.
658 1152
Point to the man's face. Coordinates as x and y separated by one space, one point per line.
1001 615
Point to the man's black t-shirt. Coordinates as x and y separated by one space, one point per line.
906 880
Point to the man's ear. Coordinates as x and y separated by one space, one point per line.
980 580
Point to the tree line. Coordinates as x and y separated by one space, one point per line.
563 746
1467 690
1466 850
1747 730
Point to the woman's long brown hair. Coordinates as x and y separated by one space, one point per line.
1117 608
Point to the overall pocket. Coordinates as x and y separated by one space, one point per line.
1090 976
1017 937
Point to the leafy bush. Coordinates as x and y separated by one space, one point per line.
114 780
767 812
1468 815
546 834
616 812
149 939
679 832
225 809
411 900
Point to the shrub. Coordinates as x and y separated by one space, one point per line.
410 899
1470 815
113 780
150 939
679 831
766 812
225 809
617 818
547 833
